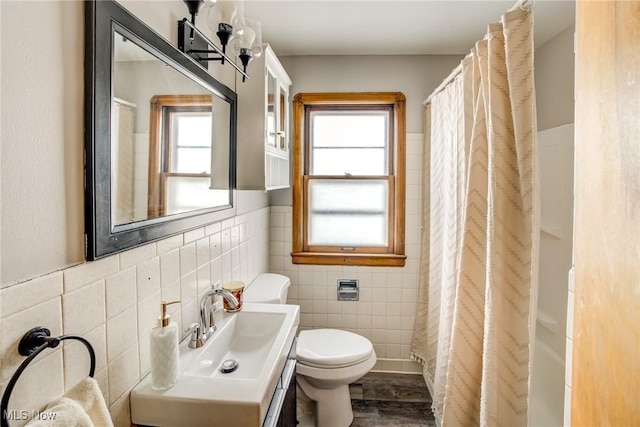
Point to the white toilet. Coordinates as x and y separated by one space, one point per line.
328 359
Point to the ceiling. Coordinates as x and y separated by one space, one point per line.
392 27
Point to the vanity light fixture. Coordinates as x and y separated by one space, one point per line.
226 19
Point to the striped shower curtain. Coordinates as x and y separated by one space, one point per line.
478 275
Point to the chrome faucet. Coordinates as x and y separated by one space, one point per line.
207 310
206 327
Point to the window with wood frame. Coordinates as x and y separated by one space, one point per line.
349 178
180 157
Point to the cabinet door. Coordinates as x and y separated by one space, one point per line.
288 416
271 120
283 118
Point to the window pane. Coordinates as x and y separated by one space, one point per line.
348 212
193 129
353 161
193 160
187 193
191 143
349 142
356 129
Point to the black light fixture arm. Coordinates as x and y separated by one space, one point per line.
196 45
205 51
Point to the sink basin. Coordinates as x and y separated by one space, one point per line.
258 338
247 339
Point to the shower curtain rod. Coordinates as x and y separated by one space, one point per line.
526 5
444 83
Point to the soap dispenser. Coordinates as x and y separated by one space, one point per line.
165 364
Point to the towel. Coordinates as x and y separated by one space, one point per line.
82 406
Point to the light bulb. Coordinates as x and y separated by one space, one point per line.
246 40
250 39
227 11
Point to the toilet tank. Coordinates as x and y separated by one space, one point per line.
267 288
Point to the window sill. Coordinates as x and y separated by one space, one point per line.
371 260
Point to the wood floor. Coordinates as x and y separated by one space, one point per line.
391 400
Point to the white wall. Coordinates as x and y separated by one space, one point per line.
45 281
554 78
414 75
42 138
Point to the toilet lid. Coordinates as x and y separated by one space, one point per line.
332 348
267 288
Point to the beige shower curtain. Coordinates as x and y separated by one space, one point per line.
479 257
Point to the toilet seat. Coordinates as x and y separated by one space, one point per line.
332 348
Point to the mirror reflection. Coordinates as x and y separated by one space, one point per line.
170 139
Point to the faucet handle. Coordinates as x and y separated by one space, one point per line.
197 339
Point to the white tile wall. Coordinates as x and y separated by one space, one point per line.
114 303
386 311
84 308
120 292
47 314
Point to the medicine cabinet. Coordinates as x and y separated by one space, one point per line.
263 125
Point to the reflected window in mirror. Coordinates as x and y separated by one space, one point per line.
186 171
177 139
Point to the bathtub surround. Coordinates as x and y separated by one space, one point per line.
555 154
554 76
114 304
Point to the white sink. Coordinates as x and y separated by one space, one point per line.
259 338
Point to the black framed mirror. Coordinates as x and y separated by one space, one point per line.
160 136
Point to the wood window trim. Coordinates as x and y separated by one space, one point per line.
156 176
396 256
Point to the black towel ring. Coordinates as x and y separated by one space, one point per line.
32 344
